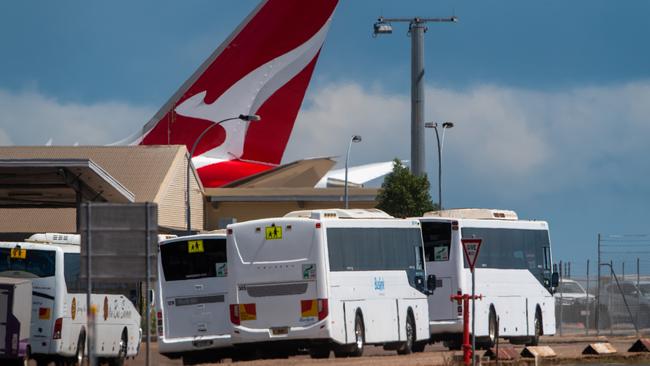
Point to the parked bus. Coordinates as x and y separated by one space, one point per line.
512 272
327 280
59 327
192 286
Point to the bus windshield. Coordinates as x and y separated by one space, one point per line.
511 249
437 240
192 259
36 263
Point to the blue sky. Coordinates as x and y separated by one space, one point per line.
550 99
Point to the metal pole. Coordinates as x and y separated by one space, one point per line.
587 303
439 168
598 289
188 202
347 159
474 320
90 316
148 280
417 29
609 296
561 297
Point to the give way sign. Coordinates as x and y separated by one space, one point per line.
471 248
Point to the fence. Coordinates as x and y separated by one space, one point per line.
610 298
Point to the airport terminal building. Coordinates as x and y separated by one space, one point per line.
42 186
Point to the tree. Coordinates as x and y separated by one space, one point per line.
403 194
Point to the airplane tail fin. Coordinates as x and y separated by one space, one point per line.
264 68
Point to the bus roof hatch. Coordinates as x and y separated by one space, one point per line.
337 213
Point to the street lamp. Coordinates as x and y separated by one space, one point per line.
247 118
417 28
434 125
355 138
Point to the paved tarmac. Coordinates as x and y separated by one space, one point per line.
567 348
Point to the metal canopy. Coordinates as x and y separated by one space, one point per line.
57 183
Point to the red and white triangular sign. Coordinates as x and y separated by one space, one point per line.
471 248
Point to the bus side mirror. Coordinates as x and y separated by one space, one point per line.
555 279
431 283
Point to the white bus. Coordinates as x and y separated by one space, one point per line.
59 328
327 280
192 286
513 273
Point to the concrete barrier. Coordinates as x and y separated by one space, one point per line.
538 352
641 345
505 354
602 348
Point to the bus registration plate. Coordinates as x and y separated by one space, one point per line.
280 330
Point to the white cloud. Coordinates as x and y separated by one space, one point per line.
505 140
30 118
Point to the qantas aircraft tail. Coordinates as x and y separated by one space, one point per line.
263 68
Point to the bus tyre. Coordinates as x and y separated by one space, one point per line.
407 347
355 349
492 328
81 350
121 352
359 336
534 340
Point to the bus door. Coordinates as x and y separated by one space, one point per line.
193 290
440 261
276 273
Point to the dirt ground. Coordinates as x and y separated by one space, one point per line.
568 349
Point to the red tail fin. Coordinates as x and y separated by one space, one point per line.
263 68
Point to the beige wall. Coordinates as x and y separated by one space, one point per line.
244 211
171 200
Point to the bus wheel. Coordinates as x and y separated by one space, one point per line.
81 350
359 336
407 347
534 340
492 328
121 354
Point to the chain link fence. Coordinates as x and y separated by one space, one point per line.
610 298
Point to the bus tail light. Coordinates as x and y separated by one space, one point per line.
234 314
58 324
159 318
323 309
454 225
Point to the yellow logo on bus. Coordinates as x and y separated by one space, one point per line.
195 246
273 232
18 253
73 308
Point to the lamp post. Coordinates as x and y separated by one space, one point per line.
417 28
445 126
188 205
355 138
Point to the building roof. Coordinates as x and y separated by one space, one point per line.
301 173
142 173
149 173
54 183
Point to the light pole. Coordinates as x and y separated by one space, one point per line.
188 205
445 126
355 138
417 28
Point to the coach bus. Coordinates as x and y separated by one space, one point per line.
512 272
326 280
59 327
192 285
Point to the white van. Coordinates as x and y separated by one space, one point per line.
192 286
327 280
513 273
59 328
